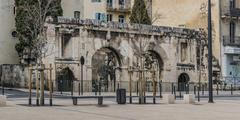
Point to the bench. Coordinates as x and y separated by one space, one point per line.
75 99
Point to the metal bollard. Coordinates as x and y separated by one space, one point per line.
217 88
231 89
172 87
187 88
198 94
80 90
180 93
154 100
175 92
202 89
3 92
194 89
160 89
137 88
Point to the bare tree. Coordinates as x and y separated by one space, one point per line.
35 14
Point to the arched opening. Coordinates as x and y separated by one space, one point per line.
154 65
65 79
105 64
183 80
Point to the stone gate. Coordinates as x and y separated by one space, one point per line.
112 51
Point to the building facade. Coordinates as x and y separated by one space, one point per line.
192 14
7 33
230 41
104 10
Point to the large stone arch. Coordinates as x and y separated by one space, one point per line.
161 54
105 62
160 51
154 65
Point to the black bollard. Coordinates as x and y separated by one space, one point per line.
100 88
186 88
231 89
202 89
172 87
198 94
160 89
130 99
80 90
137 88
154 100
180 93
217 88
72 89
94 90
3 88
175 92
50 101
194 89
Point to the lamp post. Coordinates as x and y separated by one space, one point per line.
210 87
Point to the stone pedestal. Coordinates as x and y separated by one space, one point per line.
3 100
168 98
189 98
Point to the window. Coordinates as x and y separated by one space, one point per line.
109 17
121 2
100 16
183 52
232 3
109 3
232 31
77 14
96 0
67 45
121 19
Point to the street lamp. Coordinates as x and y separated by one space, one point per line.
210 87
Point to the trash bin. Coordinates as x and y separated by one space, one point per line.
121 96
100 100
74 101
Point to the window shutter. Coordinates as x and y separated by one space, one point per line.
103 17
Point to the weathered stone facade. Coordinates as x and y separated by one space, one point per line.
111 49
13 75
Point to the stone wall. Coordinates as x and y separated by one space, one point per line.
13 75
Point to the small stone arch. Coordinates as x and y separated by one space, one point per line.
183 80
65 79
161 52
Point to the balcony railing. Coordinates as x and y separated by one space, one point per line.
234 41
116 7
231 12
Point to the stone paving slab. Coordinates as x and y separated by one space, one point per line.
88 110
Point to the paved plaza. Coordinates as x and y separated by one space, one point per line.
87 110
17 109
